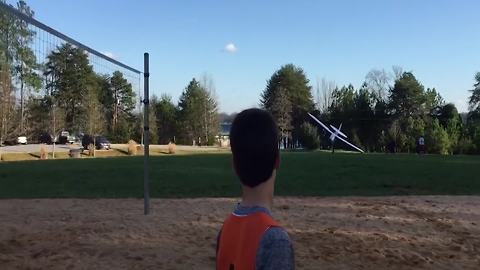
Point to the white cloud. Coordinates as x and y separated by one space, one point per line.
230 48
110 54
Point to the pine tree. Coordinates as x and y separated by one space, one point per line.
292 79
198 115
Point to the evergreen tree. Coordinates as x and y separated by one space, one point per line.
474 101
281 111
166 115
291 79
123 100
407 97
17 62
25 62
70 77
152 120
196 107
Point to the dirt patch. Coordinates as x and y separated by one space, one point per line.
433 232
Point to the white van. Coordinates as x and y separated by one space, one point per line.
22 140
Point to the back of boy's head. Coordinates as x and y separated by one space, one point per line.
254 143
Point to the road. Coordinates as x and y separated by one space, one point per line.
35 148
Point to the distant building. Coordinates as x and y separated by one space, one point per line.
223 138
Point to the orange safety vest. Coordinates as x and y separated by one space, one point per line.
239 240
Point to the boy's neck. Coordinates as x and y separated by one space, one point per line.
261 195
250 203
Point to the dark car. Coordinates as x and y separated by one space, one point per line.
10 142
100 142
46 138
65 138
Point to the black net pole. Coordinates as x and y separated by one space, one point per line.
146 180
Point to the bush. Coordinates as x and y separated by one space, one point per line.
309 137
476 141
464 146
436 139
132 148
172 148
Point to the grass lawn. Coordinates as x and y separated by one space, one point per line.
210 175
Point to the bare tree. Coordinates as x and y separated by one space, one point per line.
324 94
210 117
397 72
95 120
378 81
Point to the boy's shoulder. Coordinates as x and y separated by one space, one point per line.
275 250
275 234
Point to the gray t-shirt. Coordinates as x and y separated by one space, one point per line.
275 250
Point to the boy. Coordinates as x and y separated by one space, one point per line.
250 238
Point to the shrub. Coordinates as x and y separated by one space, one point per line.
464 146
43 152
132 148
309 137
436 139
172 148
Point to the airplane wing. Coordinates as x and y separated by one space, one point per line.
321 124
338 131
345 141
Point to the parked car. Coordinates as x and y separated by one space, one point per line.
22 139
8 142
65 138
100 142
46 138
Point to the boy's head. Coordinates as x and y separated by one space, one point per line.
254 143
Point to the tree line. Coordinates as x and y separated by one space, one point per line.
194 120
389 112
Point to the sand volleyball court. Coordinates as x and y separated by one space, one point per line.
433 232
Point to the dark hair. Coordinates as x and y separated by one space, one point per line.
254 143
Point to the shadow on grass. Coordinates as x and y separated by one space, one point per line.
121 151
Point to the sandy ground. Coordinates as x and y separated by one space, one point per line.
328 233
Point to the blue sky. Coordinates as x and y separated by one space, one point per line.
338 40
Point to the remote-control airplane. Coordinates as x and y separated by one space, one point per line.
335 133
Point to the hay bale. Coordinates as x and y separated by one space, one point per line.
91 150
43 152
172 148
132 148
75 153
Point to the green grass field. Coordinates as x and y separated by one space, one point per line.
210 175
